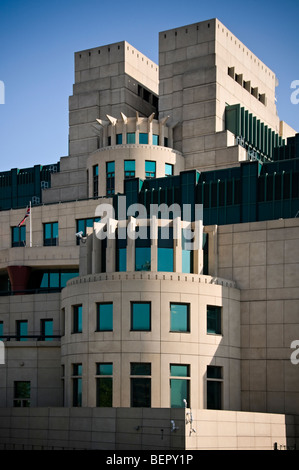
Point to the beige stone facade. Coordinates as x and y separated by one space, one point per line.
249 273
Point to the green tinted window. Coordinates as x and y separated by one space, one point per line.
179 317
105 317
141 316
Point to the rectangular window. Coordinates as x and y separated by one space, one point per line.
95 181
214 319
140 316
131 138
179 317
129 169
110 178
165 141
141 385
47 330
150 169
143 252
18 235
119 139
77 319
77 385
179 385
155 139
105 317
22 330
143 138
187 251
1 330
168 169
214 387
21 394
104 384
51 234
165 249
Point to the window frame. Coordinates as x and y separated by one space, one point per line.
217 320
187 320
21 232
148 320
104 378
143 381
98 306
51 241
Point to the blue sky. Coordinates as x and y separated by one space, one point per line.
38 40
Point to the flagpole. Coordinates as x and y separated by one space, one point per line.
30 225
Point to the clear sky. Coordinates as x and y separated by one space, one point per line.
38 39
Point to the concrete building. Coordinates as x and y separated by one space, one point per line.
118 336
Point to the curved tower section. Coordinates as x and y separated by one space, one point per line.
145 323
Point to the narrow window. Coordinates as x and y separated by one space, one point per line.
110 178
179 385
168 169
150 169
214 319
140 385
105 317
77 385
131 138
18 235
95 180
22 330
51 234
129 169
47 330
104 384
77 319
214 387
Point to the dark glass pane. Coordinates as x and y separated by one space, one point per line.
104 392
214 372
214 395
213 319
140 368
119 139
141 392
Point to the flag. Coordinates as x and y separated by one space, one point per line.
26 215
